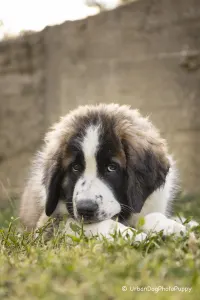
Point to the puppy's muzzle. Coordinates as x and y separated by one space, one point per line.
87 209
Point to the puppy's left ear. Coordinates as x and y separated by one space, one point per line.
146 170
52 183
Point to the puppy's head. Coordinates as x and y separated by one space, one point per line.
105 161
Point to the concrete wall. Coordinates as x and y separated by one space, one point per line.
22 108
146 54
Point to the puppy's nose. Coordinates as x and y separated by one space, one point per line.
87 208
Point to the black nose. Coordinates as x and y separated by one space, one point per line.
87 208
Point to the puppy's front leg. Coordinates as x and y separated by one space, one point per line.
105 229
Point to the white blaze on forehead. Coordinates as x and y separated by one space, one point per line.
89 146
89 186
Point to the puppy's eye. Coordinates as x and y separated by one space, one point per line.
77 168
111 167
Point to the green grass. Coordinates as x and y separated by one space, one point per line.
78 268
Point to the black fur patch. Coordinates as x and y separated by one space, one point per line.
145 174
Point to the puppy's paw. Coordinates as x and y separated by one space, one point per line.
173 227
191 224
156 222
140 237
106 229
131 232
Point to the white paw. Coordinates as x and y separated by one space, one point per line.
190 224
140 237
106 229
173 227
156 222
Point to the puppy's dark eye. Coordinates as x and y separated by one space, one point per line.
76 168
112 167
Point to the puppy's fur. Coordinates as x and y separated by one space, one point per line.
101 162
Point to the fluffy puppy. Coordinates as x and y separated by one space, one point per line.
98 163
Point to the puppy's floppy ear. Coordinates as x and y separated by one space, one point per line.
53 182
146 171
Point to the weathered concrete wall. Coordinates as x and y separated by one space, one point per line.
146 54
22 108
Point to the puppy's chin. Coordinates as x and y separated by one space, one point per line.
91 220
88 221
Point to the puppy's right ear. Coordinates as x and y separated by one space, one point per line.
53 188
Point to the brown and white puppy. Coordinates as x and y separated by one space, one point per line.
101 162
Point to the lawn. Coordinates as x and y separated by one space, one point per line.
77 268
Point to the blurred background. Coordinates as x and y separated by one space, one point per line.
56 55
